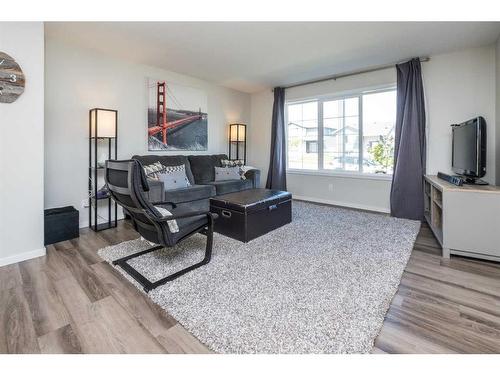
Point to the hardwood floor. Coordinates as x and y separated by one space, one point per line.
70 301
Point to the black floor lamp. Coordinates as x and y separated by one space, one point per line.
103 131
238 142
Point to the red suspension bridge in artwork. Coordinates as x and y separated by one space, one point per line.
162 125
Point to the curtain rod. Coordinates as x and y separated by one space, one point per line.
353 73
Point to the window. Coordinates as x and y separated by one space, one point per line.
379 121
302 131
353 133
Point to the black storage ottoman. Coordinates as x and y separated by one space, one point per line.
249 214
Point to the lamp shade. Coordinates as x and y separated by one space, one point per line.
103 123
237 132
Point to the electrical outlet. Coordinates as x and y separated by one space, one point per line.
85 203
330 187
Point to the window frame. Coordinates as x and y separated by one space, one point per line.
320 99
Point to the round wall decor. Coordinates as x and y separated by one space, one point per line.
11 79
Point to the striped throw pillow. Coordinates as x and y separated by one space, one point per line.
153 171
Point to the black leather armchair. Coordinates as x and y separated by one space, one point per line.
127 184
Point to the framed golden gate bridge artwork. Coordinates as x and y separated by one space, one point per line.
177 117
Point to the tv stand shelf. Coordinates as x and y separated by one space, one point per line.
465 219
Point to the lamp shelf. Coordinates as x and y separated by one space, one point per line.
103 125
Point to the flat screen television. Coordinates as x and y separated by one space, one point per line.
469 150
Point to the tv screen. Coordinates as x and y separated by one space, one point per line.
469 147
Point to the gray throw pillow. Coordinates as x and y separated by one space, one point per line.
174 180
225 174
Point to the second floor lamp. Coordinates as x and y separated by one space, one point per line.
238 142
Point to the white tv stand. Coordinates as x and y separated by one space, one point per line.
465 219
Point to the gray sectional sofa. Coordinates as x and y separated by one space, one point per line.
201 174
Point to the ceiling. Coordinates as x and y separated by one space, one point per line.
252 56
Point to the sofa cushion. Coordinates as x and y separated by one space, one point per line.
203 167
231 186
168 161
190 193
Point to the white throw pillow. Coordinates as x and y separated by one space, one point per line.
177 168
172 224
174 178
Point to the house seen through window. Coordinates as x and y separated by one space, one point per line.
353 133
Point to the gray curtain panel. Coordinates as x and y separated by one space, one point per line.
276 176
407 192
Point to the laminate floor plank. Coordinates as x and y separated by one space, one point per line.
75 300
113 330
377 350
122 233
87 247
46 306
487 269
452 293
150 315
452 314
480 317
410 297
10 277
89 282
62 340
63 245
443 332
177 340
395 340
471 317
472 281
17 333
53 264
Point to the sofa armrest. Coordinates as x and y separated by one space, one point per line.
254 176
156 191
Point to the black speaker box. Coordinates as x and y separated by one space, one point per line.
61 224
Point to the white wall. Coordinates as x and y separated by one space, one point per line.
458 87
78 80
21 148
497 109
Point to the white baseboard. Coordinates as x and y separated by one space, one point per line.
342 204
22 256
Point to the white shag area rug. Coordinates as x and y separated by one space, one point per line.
321 284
